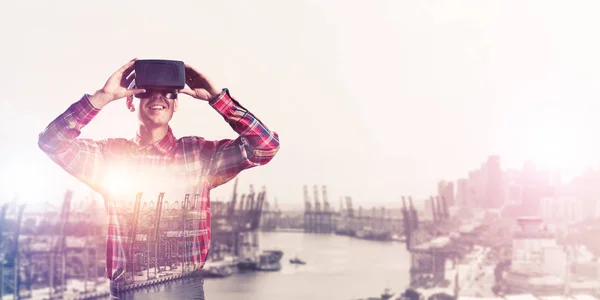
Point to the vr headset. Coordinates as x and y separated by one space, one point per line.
157 75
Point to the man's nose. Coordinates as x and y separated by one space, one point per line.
157 95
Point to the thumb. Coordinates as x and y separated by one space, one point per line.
134 91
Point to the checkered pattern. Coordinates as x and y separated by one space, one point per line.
188 165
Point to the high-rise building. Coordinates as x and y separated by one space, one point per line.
446 190
462 192
562 209
494 189
530 198
536 185
476 188
428 211
585 188
485 186
449 194
512 187
441 186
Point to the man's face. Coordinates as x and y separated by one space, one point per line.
154 108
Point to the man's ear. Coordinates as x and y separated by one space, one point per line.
175 104
129 103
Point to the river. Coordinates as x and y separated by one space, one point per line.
338 267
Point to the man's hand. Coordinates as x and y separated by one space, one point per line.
200 87
116 86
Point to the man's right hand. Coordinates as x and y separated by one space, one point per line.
116 86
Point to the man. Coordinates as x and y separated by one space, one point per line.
155 160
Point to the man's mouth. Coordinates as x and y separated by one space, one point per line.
157 107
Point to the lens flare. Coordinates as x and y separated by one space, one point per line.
116 181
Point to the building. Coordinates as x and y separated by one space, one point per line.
562 209
485 187
476 188
533 185
446 190
494 189
428 208
462 187
539 264
585 187
534 249
513 187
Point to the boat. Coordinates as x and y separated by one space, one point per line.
387 294
247 264
344 230
269 267
297 261
268 260
367 233
398 238
217 271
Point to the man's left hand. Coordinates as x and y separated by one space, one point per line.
200 87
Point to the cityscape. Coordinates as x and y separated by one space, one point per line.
499 233
382 150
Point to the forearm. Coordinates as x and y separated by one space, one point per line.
63 130
255 146
81 158
255 133
99 99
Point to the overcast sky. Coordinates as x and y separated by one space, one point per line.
373 100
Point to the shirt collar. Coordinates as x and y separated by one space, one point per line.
163 146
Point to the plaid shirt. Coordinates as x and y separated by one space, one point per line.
188 165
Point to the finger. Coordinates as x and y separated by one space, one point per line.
188 66
190 71
189 79
134 91
187 92
201 81
127 66
127 72
197 77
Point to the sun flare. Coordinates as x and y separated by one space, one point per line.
116 182
553 145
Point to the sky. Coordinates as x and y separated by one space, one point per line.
374 100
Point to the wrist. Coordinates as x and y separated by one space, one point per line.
99 99
216 95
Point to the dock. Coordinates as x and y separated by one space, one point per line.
320 218
60 251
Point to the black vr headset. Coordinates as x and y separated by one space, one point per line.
156 75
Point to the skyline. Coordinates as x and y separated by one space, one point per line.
554 179
375 101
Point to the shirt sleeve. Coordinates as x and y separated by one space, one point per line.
81 158
255 146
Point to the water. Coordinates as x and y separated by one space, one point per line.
338 267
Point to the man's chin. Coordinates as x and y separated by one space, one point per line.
154 124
